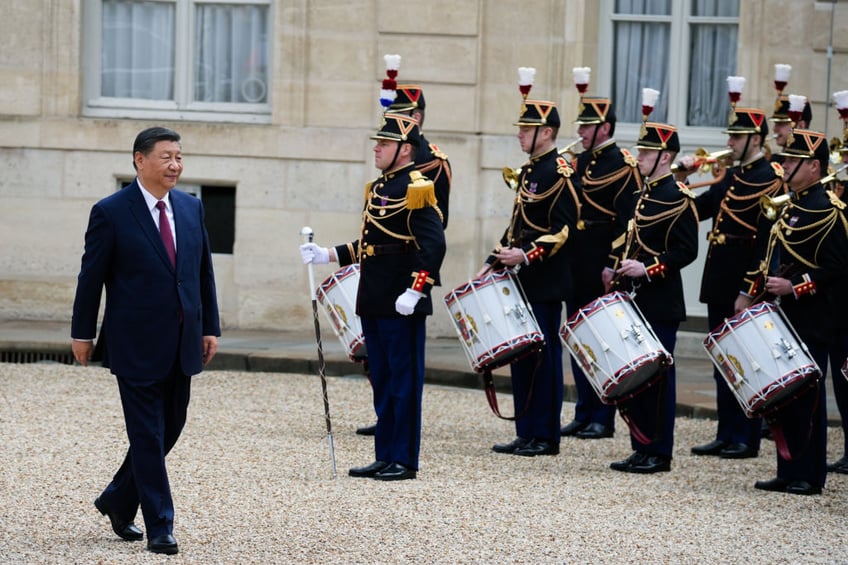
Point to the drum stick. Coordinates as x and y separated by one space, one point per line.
308 235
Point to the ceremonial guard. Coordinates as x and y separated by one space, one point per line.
533 243
810 241
737 241
783 124
431 161
661 240
610 184
400 251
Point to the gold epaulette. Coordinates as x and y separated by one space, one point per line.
628 157
438 153
778 169
420 192
368 191
685 190
835 200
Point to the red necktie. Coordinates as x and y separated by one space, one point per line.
165 233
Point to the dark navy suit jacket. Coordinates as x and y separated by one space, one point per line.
146 297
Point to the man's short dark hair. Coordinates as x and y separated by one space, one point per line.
147 139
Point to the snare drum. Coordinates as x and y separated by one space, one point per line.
614 346
493 321
337 294
762 359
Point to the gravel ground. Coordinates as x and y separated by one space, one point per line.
252 483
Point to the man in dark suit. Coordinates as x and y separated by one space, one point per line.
400 251
148 246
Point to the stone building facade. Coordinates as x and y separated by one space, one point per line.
303 156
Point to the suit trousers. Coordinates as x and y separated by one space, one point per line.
537 387
154 414
396 364
733 425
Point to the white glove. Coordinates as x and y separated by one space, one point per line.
405 303
314 254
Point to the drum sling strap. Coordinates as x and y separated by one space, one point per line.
491 393
637 432
777 430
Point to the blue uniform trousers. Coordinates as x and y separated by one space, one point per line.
396 364
653 410
804 425
541 419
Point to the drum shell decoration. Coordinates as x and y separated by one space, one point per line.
337 296
493 321
762 359
615 347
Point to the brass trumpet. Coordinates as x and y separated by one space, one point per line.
510 175
773 205
704 161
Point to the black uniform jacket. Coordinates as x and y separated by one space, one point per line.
542 218
401 245
739 234
810 238
610 183
433 164
664 236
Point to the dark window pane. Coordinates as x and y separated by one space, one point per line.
220 205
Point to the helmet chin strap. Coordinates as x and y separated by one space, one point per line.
656 163
533 145
394 160
594 136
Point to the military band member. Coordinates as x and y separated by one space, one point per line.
610 183
533 242
400 250
431 161
809 238
661 240
783 123
737 241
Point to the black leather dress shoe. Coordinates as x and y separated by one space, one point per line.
738 451
368 470
395 472
572 428
712 448
538 447
802 488
163 544
625 464
125 530
366 430
511 446
839 466
594 431
651 464
774 485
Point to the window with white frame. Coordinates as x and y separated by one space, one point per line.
203 59
684 48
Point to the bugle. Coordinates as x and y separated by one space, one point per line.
568 148
772 205
704 161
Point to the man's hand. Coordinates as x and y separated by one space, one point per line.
742 303
606 277
210 347
405 303
510 256
82 351
315 254
632 268
779 286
